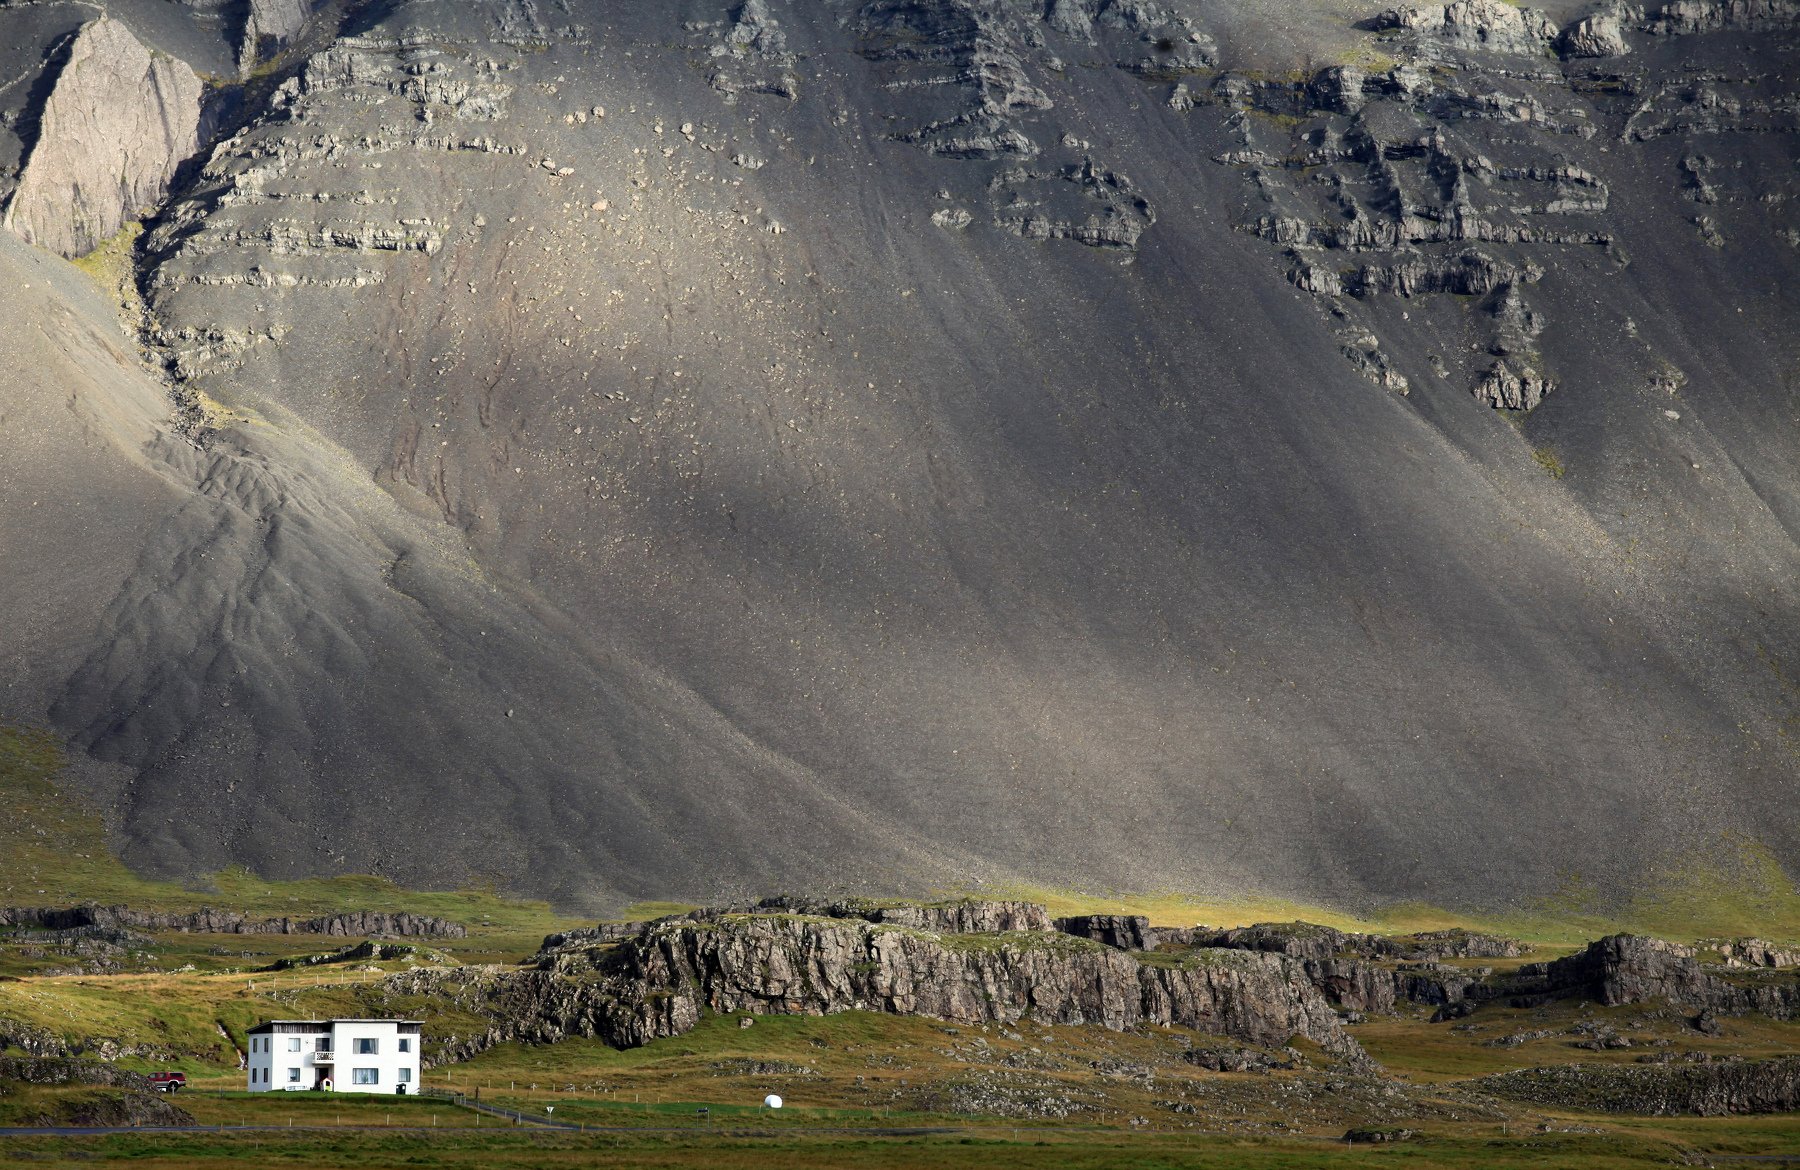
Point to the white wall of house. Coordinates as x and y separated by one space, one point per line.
282 1060
356 1056
371 1059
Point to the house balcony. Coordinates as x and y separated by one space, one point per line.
322 1058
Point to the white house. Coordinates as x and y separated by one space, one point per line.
349 1056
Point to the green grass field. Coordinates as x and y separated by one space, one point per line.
374 1150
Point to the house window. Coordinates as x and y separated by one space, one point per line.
364 1076
293 1043
405 1044
367 1047
405 1075
293 1076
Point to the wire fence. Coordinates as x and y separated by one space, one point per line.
464 1101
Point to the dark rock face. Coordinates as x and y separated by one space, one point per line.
1623 968
1454 944
1125 932
359 922
1300 940
886 445
659 982
1713 1088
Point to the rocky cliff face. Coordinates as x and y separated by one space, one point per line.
117 123
1625 968
659 982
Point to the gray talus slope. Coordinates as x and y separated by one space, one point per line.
259 600
75 408
897 443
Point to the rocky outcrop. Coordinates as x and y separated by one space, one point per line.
1627 969
1600 35
600 933
1126 932
1300 940
132 1100
1709 1088
208 921
1307 940
1455 943
136 1103
1475 24
366 951
1505 387
1344 967
1341 967
1084 202
364 922
662 981
32 1040
748 53
118 122
1754 952
1679 17
966 916
43 1070
1469 273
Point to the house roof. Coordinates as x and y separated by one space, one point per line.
322 1025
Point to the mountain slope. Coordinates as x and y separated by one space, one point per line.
909 443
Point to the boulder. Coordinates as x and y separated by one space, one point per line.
1600 35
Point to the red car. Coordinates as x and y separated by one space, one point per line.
168 1082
